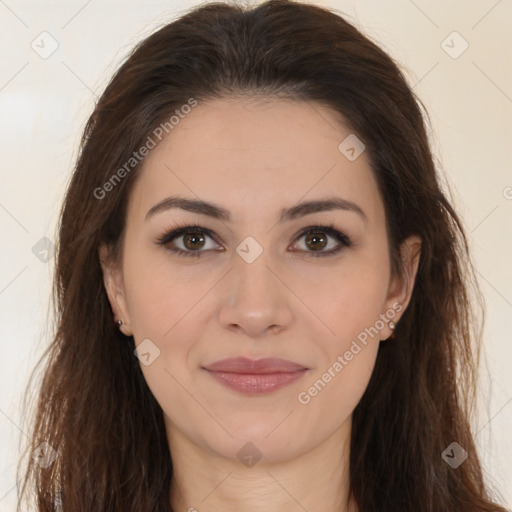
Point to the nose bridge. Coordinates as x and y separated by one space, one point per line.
254 285
253 277
255 298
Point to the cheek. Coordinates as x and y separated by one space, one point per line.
351 308
160 295
169 305
350 304
347 298
329 398
164 308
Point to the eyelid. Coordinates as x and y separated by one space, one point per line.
179 230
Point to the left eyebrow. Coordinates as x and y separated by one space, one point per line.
220 213
331 203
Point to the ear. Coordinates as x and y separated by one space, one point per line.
400 287
114 286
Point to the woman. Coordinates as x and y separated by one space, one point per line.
261 290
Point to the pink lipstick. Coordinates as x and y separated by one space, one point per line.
260 376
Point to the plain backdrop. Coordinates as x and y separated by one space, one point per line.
456 55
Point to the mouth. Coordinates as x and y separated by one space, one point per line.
255 377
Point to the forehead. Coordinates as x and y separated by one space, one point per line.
248 154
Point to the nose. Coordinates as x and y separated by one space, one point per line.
255 298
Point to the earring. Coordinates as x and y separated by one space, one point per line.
119 323
392 327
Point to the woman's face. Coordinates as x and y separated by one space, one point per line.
257 282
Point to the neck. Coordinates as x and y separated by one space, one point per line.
205 481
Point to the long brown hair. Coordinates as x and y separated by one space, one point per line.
94 407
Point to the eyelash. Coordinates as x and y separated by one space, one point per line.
176 231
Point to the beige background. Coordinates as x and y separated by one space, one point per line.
44 104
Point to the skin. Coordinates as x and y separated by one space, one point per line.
255 158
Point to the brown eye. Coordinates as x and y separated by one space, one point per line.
317 238
188 241
316 241
193 240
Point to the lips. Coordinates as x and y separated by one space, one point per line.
254 367
255 377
